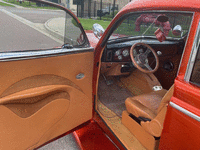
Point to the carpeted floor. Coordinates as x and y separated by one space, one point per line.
113 96
67 142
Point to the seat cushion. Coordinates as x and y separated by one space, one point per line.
145 105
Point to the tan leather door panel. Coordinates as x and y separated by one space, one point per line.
41 98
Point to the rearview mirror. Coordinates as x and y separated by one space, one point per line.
98 30
177 30
162 18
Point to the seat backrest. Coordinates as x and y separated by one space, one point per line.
165 100
155 126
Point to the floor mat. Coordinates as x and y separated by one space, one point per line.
113 96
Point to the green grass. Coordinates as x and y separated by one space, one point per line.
4 4
104 22
87 23
29 4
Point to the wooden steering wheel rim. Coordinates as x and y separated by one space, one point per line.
135 63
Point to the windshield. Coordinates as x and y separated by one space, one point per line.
149 24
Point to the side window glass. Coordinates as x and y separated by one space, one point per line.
195 77
39 27
73 35
195 58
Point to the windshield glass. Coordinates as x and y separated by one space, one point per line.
154 23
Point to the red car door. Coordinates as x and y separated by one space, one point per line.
182 123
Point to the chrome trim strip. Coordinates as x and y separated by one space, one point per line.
21 55
185 45
183 110
192 56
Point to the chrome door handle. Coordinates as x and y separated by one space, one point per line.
80 76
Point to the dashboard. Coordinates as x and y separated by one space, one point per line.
120 52
116 58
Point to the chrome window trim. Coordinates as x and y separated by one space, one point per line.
183 110
192 56
11 56
185 45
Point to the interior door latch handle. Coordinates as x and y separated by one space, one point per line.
80 76
157 88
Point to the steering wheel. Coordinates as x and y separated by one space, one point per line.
140 60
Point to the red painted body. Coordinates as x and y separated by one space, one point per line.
93 137
180 132
92 38
105 128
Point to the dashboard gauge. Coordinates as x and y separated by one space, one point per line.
118 52
125 53
120 57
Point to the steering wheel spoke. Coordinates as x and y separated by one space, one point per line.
147 51
140 60
135 52
148 67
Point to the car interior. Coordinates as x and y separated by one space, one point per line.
138 67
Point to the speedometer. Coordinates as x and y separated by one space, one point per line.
125 53
118 52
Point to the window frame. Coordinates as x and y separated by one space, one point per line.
196 70
193 56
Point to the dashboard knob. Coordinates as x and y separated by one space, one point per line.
120 57
159 53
